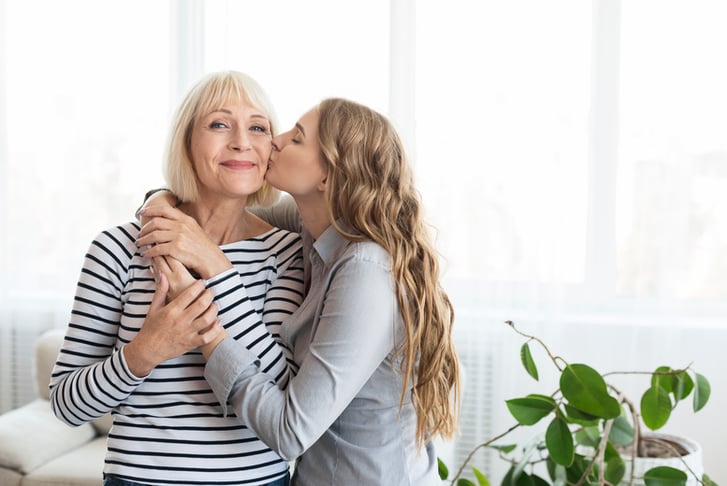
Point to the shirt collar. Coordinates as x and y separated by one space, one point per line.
331 244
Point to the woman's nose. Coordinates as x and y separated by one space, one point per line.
239 141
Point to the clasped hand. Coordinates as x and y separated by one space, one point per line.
182 315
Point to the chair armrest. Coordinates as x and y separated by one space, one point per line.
31 436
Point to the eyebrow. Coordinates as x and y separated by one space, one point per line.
229 112
300 127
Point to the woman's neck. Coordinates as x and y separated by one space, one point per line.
225 221
315 215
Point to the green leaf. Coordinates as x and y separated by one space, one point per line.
507 480
527 360
505 449
559 441
576 416
708 481
615 466
655 407
481 478
538 481
443 471
588 436
701 393
665 476
524 480
659 378
622 432
585 389
682 385
576 470
529 410
557 473
678 384
465 482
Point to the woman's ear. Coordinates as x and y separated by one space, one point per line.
322 183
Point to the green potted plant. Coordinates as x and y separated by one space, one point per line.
595 434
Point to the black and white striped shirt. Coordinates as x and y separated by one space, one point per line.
169 429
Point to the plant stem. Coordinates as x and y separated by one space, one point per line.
636 420
553 358
599 457
484 444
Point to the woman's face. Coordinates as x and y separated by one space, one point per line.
230 147
296 165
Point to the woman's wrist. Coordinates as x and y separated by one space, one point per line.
213 267
209 348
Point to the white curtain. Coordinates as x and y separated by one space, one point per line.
571 155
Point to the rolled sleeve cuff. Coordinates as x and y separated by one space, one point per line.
229 361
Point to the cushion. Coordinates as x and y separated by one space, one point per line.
46 353
80 467
103 424
9 477
32 435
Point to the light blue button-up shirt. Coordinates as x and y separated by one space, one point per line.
340 415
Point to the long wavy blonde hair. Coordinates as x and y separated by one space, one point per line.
371 189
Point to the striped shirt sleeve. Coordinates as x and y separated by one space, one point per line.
90 376
260 332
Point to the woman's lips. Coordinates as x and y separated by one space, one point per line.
238 164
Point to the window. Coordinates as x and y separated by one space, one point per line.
672 179
86 110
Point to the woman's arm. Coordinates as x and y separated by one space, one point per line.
93 372
349 342
259 333
178 243
283 214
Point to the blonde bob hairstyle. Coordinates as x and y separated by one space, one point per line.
370 188
212 92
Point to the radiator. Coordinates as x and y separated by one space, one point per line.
479 348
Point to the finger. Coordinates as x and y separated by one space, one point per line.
161 266
160 293
192 294
155 237
207 319
158 250
157 223
161 210
212 332
175 265
149 224
201 304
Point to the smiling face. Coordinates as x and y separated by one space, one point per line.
296 164
229 148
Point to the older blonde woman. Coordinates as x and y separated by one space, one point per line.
138 357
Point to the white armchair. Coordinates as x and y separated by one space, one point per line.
37 449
